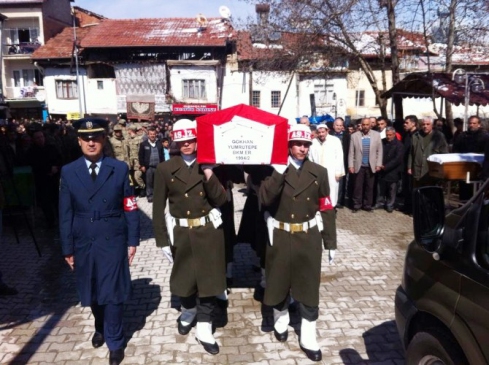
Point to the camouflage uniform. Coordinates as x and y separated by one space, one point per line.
136 173
120 147
122 123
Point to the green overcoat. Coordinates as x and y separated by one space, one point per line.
198 252
293 262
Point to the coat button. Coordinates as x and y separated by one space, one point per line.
90 201
203 211
92 239
105 219
172 180
188 212
105 200
107 238
201 193
315 182
308 199
186 195
293 198
307 215
292 216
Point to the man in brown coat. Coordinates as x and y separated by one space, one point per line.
298 202
193 228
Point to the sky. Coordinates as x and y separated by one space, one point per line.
129 9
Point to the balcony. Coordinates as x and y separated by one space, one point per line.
25 93
20 49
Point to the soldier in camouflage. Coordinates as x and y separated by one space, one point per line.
136 174
119 145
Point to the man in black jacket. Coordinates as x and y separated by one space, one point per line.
391 168
410 127
150 155
472 140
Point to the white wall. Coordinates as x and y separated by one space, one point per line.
61 106
207 73
337 85
236 88
101 101
266 82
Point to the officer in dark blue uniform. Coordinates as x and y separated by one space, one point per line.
99 232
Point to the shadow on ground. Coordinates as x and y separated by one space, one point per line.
145 299
382 343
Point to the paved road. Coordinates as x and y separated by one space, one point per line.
44 323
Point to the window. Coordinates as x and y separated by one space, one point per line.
255 98
360 98
22 35
100 85
194 89
323 94
66 89
276 98
28 77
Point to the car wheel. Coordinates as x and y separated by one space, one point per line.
434 348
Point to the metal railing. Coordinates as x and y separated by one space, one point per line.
24 92
22 48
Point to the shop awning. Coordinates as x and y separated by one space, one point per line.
24 103
424 85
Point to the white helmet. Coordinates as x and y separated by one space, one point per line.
300 132
184 130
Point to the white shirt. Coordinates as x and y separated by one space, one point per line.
97 169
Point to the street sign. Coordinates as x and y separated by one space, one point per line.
72 115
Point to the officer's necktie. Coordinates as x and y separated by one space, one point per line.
93 174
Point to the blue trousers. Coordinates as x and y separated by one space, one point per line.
108 320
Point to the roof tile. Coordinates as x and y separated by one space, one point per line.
161 32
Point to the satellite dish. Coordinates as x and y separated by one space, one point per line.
433 48
225 12
201 20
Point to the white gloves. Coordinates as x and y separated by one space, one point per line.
332 254
280 168
167 252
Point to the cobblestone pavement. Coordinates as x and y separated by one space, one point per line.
44 323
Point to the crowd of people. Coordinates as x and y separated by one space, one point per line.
83 175
382 164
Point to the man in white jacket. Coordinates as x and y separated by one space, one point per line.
327 151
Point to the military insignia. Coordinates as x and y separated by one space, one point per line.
130 204
89 125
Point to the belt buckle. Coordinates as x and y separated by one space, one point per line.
281 226
296 227
193 222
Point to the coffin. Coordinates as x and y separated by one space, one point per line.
242 135
455 166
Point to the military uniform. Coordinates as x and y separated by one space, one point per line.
99 222
201 248
300 218
133 146
196 232
293 262
122 123
120 148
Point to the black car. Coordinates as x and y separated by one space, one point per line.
442 305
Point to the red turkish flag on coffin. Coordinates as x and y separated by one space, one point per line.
242 135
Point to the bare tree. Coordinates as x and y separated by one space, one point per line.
355 29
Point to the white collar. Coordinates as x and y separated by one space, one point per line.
189 159
296 163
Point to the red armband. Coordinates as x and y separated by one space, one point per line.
130 204
325 204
